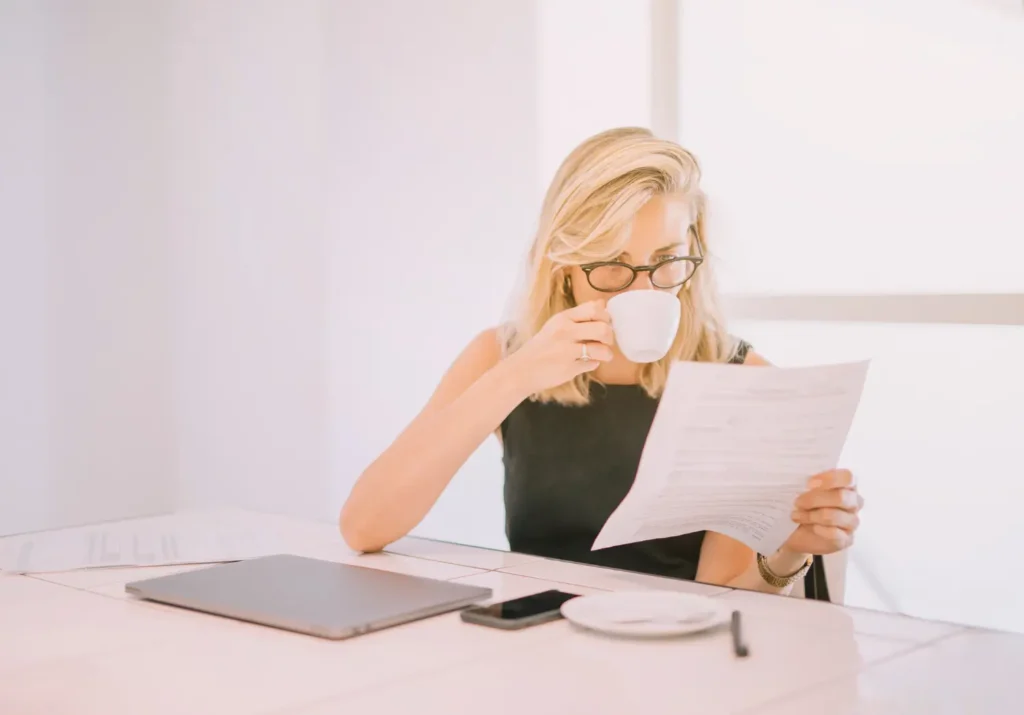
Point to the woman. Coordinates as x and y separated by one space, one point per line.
624 212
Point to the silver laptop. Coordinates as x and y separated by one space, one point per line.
320 598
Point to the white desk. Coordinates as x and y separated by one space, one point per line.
74 642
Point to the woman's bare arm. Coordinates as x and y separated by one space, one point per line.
479 390
727 562
398 489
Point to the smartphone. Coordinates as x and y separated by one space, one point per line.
519 612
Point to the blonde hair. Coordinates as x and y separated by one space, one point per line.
586 217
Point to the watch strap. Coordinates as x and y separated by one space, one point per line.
775 580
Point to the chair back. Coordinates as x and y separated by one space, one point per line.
826 580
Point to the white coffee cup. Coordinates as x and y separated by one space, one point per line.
645 323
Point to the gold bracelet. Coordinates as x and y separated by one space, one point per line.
773 579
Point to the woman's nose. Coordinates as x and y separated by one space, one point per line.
642 282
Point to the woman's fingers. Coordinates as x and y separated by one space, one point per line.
829 508
832 479
597 352
592 331
837 538
844 498
592 310
839 518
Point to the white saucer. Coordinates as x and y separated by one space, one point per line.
646 613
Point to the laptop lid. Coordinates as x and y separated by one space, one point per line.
320 598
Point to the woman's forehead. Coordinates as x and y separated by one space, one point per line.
662 222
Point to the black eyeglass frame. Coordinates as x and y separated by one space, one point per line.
587 268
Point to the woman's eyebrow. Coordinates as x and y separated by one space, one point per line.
624 256
671 246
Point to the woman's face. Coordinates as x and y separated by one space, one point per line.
660 233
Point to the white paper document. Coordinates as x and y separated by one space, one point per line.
730 449
191 538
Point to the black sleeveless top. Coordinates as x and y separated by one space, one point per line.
568 467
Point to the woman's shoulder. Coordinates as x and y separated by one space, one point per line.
740 350
743 353
477 356
486 347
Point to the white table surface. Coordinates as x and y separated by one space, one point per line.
74 642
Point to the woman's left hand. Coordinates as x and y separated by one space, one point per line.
827 514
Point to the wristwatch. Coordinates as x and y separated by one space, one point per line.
773 579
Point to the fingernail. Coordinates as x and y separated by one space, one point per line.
797 515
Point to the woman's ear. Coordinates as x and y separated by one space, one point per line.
566 286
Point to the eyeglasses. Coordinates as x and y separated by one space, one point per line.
613 276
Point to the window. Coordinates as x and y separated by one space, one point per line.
854 147
864 163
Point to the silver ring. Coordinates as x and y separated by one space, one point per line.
584 355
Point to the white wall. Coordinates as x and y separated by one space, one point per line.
248 106
352 197
197 208
24 374
85 396
434 193
593 72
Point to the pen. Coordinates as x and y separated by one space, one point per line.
738 646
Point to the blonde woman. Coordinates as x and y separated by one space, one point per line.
624 212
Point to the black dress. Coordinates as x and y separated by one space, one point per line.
568 467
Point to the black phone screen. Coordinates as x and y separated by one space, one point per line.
527 606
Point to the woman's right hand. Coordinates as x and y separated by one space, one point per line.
551 357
